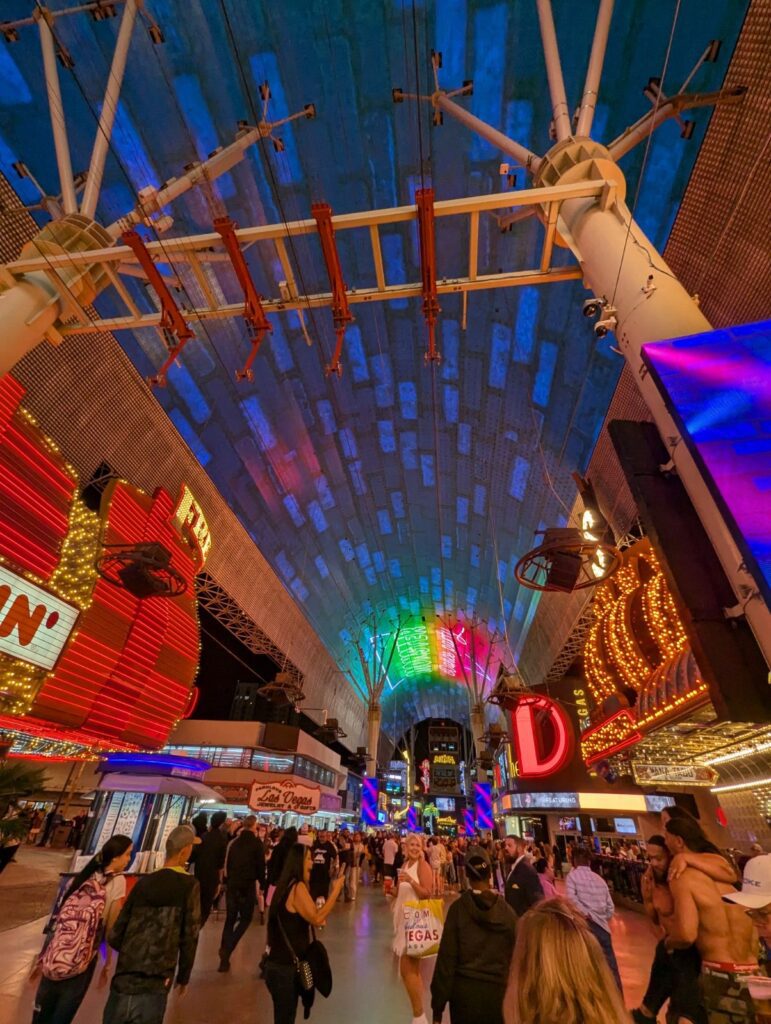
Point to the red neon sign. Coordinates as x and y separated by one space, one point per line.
529 724
124 672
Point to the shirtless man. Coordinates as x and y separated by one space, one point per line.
674 972
722 933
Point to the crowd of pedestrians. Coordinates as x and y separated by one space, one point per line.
509 941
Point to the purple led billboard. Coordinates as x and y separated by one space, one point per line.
717 387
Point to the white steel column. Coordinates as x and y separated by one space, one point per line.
374 720
477 719
27 312
594 71
622 264
109 110
559 102
58 123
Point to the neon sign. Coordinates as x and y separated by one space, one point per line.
76 651
535 762
192 523
425 774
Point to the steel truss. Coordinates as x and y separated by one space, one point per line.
229 613
196 250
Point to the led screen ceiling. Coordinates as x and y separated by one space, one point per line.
400 492
718 387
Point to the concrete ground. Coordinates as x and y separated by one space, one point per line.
29 883
358 938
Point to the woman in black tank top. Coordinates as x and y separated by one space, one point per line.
292 914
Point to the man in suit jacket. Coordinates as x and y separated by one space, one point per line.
523 888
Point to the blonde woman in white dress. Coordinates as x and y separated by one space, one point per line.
415 882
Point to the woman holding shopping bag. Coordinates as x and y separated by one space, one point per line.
415 882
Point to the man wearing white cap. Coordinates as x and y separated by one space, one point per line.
755 897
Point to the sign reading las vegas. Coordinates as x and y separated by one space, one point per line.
34 625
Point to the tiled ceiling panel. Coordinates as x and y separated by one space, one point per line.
400 491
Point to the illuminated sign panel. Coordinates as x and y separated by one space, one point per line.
547 801
369 801
192 523
483 801
717 386
34 625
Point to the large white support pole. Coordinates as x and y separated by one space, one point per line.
594 71
559 102
58 123
521 154
477 718
374 721
27 312
622 264
109 110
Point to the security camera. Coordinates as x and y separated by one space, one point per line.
608 323
593 307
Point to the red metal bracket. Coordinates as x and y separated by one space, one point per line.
341 314
424 198
254 314
173 324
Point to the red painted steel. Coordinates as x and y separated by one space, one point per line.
172 321
341 314
424 198
254 314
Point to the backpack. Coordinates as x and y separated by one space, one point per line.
76 932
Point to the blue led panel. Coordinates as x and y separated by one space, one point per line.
718 388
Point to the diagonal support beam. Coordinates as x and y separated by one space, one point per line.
56 107
671 107
424 199
341 313
109 110
173 324
254 314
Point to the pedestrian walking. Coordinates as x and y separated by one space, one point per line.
293 914
472 966
68 959
591 896
156 936
244 872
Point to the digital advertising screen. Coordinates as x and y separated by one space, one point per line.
626 826
717 387
445 803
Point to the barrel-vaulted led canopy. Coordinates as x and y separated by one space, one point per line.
400 496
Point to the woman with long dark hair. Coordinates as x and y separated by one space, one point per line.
277 859
67 962
293 913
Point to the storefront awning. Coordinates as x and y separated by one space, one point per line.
119 783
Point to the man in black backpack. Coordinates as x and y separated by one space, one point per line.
244 871
156 936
